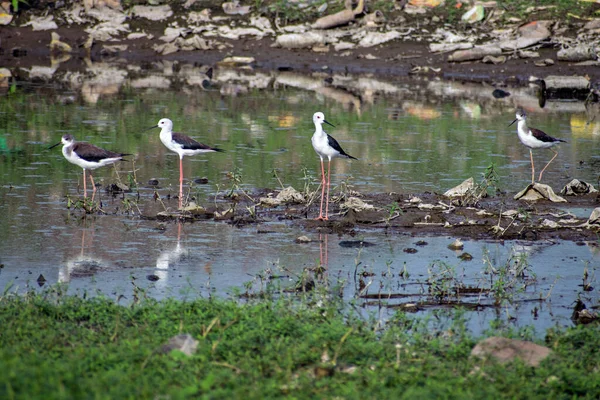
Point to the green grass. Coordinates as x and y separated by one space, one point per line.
54 346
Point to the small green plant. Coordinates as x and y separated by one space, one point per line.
508 280
486 187
444 285
15 4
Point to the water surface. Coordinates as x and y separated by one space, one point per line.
409 137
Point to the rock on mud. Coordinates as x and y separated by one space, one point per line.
506 350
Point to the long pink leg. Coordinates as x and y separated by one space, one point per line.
532 168
180 181
328 184
84 185
322 189
93 186
552 159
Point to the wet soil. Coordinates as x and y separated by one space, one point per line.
497 217
23 47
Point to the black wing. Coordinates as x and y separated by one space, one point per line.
334 143
91 153
543 137
190 144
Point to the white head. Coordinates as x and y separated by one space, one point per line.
67 140
165 123
520 116
319 119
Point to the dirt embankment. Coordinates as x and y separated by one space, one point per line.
393 42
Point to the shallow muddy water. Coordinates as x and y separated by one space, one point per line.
409 137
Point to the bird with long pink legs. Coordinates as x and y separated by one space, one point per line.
534 138
326 147
182 145
88 157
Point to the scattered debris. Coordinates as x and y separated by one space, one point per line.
153 13
5 15
456 245
461 189
299 40
287 195
234 8
41 23
341 18
303 239
375 38
581 52
356 204
557 82
539 191
581 315
184 343
57 45
475 14
594 219
506 350
544 63
476 53
577 188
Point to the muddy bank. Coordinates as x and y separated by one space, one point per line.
497 217
406 51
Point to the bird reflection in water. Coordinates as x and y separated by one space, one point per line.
81 265
167 258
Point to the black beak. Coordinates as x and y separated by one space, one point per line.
53 146
513 122
152 127
329 123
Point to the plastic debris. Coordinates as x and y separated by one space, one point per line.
547 223
494 60
582 52
57 45
456 245
476 53
577 188
539 191
557 82
461 189
184 343
529 34
287 195
234 8
5 15
356 204
544 63
299 41
153 13
340 18
475 14
41 23
374 38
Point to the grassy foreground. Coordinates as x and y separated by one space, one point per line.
54 346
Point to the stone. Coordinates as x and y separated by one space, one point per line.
506 350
